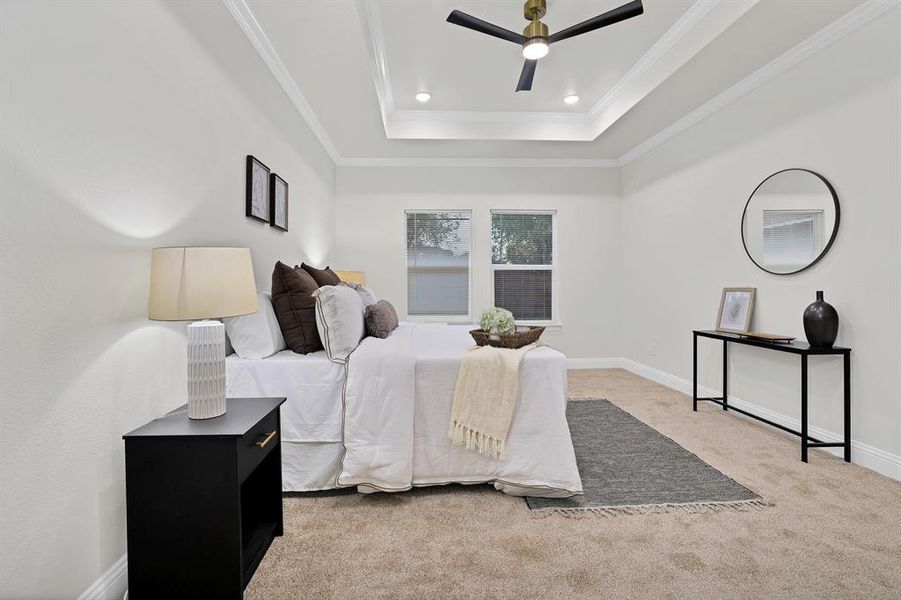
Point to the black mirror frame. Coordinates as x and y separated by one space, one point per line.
838 215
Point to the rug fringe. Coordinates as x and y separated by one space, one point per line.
651 509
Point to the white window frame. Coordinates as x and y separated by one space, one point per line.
554 321
467 318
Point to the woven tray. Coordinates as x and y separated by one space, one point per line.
514 340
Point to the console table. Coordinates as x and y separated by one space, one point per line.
804 351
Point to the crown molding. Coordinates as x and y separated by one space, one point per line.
528 163
255 33
686 22
457 116
705 21
371 20
836 30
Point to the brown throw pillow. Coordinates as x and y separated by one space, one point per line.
322 276
295 308
380 319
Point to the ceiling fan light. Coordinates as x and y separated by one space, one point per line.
535 48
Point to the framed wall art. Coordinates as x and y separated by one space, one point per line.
278 202
736 307
257 193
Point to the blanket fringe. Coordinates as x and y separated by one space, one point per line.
650 509
473 440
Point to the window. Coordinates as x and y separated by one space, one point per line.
438 246
792 237
522 257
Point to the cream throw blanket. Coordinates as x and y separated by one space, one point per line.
484 398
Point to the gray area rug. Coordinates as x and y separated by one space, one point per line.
629 468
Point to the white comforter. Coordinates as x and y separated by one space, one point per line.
397 403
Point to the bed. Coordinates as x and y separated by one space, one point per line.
380 422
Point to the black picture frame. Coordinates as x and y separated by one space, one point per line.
826 248
276 203
256 201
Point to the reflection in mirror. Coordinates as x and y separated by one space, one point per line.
790 221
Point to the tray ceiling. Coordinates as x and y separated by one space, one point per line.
352 68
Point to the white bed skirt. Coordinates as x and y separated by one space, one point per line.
314 466
310 466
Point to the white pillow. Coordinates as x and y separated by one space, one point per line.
339 319
365 293
367 296
258 334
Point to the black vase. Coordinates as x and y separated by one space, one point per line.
820 323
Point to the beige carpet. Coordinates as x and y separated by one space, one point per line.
835 530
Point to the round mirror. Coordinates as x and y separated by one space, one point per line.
790 221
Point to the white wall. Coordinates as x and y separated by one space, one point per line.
370 236
121 131
125 126
838 114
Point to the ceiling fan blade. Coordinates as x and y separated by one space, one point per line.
525 78
626 11
463 20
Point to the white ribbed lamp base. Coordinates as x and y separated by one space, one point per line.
206 369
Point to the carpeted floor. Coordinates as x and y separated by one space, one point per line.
835 529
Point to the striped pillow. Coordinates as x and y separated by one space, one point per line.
339 319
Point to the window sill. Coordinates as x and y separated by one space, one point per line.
445 320
549 325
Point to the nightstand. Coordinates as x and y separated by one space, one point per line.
204 500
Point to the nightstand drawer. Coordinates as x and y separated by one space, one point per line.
256 444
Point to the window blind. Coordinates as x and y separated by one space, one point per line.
527 294
792 237
522 248
438 247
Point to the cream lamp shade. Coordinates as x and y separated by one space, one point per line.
352 276
191 283
187 284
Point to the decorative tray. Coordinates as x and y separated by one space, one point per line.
523 336
768 337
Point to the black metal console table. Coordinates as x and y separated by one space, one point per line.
799 348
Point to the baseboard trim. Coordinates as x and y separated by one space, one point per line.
872 458
112 585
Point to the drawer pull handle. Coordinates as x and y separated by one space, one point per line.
269 436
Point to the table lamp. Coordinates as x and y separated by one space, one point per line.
187 284
352 276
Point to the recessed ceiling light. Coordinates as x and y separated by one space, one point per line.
570 99
423 96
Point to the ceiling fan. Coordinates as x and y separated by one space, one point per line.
535 40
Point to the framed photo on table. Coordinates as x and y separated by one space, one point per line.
736 307
278 203
257 192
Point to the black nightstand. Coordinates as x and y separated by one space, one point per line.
204 500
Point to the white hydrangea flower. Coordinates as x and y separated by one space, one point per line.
498 320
